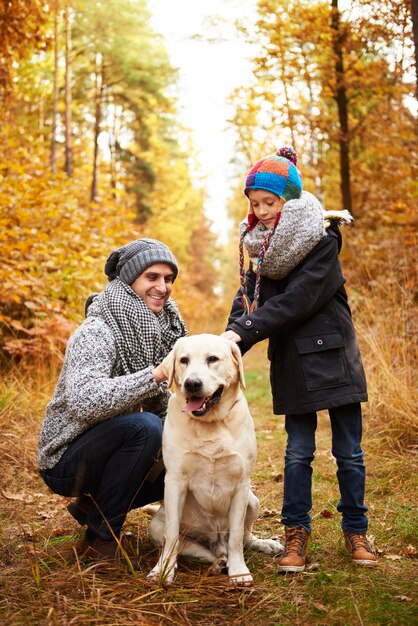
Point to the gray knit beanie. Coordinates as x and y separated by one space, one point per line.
131 260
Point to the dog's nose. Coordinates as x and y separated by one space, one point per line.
193 385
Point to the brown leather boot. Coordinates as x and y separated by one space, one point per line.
294 555
80 508
96 548
360 549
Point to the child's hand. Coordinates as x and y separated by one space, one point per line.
229 334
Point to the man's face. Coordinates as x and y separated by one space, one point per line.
154 285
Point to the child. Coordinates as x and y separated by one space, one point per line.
294 295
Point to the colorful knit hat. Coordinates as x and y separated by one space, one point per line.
278 174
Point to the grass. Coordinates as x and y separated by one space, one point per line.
42 581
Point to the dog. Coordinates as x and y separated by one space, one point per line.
209 450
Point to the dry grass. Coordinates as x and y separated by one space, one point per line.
387 326
44 583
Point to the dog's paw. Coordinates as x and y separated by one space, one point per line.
240 580
154 575
162 577
271 547
220 566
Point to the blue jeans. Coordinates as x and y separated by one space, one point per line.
346 426
109 462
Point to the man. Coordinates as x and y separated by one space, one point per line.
102 430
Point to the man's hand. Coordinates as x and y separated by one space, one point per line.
229 334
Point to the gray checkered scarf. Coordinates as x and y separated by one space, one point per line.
143 338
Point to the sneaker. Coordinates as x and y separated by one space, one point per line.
360 549
294 555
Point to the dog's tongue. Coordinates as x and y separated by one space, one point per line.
194 404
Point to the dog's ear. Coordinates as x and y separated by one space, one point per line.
237 358
167 367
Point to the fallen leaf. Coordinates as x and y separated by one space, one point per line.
268 513
20 497
327 514
312 567
410 550
392 557
28 533
47 514
278 477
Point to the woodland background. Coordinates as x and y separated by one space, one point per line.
93 155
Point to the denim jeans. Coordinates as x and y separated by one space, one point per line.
346 426
109 462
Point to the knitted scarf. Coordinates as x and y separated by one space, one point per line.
276 252
143 338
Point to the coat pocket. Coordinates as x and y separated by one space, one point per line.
322 362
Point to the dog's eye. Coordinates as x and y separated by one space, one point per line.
184 360
213 359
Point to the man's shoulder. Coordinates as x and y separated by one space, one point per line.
92 331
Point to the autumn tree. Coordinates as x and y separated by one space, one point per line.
342 105
53 239
343 92
299 83
55 91
415 29
68 165
125 68
21 23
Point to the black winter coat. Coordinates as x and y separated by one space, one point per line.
313 349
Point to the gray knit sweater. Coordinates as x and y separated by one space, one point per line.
90 391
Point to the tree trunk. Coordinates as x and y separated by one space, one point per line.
315 153
286 96
55 94
68 167
97 122
112 151
341 98
415 29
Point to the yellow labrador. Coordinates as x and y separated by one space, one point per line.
209 450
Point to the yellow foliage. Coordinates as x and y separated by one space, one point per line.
54 244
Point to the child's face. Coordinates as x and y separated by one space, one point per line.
265 205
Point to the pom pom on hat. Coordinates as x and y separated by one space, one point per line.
131 260
288 153
276 173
